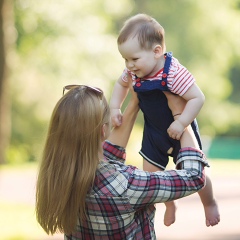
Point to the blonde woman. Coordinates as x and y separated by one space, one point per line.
85 190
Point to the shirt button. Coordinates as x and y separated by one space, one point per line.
138 84
163 83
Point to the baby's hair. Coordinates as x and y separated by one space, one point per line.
145 28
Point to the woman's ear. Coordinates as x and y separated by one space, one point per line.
103 131
158 51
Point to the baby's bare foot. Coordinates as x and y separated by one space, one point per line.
169 216
212 214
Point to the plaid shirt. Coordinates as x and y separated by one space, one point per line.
120 204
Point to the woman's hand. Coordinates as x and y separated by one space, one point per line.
175 103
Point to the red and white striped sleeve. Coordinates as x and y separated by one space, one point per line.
180 79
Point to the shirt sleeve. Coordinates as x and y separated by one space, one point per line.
114 152
180 79
162 186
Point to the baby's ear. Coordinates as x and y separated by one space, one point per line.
158 50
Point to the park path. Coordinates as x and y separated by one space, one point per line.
19 187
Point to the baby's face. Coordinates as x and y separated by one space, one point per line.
140 61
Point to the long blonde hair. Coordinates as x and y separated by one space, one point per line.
70 159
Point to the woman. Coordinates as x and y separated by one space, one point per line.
85 191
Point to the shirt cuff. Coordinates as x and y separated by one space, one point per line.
114 152
192 154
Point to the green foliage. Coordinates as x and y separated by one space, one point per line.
60 43
204 36
233 76
27 132
223 148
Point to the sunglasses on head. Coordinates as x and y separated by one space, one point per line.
98 91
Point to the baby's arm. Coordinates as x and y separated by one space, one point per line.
119 94
194 101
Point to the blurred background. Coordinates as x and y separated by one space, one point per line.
45 45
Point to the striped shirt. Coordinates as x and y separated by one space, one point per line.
120 205
179 78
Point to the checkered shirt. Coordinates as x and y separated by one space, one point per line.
120 204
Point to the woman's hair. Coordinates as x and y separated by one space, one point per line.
145 28
70 159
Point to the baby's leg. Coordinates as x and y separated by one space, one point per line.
176 104
209 203
170 212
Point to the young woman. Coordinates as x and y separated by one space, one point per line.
85 190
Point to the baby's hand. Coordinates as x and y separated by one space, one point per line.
175 130
116 117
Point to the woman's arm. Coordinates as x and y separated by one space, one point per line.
119 94
120 135
114 146
146 188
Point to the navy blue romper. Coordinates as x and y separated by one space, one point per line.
157 119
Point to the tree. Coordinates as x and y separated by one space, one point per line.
57 44
70 41
5 35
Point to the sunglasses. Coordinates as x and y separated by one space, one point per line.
98 91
